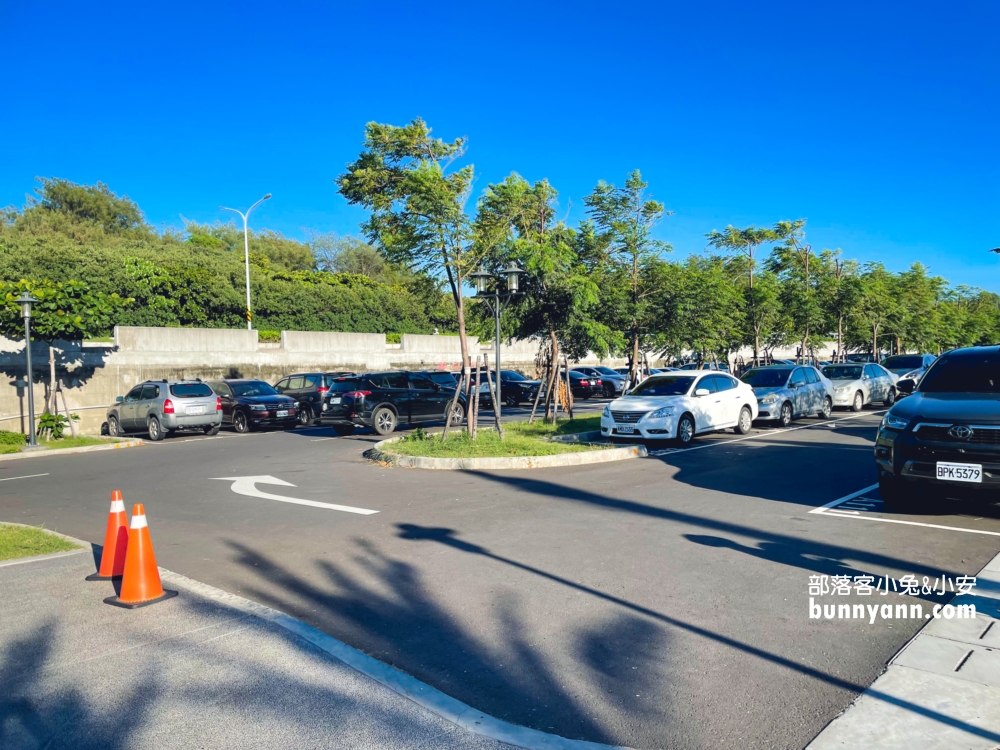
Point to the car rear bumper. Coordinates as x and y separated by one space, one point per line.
180 422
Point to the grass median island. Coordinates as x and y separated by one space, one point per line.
520 439
29 541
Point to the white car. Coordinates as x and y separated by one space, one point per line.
855 385
680 405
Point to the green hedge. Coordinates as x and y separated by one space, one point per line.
12 438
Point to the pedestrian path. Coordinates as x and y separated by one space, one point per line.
942 690
189 672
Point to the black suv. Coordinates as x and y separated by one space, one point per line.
248 404
309 389
384 400
514 388
945 439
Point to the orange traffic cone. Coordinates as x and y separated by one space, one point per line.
115 542
141 579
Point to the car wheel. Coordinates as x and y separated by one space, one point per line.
609 390
212 429
786 415
114 429
305 415
154 429
827 409
240 422
891 398
457 414
384 420
685 430
344 429
511 401
859 402
745 423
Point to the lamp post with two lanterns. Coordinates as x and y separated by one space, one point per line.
494 302
26 301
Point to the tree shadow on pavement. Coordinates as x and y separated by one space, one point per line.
34 717
396 619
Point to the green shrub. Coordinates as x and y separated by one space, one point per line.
269 337
394 338
12 438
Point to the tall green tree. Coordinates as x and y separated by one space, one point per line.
405 178
65 310
625 218
746 242
799 271
838 292
876 303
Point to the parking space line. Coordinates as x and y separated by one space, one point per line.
832 509
665 451
26 476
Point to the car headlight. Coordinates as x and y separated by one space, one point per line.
843 388
892 422
607 411
771 398
666 411
915 375
258 407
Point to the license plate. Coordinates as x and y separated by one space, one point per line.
625 429
960 472
283 413
196 410
335 400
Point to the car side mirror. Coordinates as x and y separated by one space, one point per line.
119 399
905 386
702 392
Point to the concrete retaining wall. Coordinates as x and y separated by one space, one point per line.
92 374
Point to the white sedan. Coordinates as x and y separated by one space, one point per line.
855 385
680 405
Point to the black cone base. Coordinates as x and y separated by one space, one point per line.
99 577
116 602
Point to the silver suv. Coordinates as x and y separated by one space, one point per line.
159 407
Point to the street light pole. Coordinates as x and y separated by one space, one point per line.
512 272
26 301
246 248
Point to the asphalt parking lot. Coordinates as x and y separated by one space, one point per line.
659 602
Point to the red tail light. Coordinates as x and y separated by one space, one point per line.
359 395
598 382
218 403
168 407
584 382
323 391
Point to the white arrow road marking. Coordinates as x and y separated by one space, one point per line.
247 486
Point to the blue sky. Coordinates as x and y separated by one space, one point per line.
877 122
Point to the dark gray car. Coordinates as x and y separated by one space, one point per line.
160 407
310 390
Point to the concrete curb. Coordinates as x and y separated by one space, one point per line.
81 449
942 689
402 684
377 454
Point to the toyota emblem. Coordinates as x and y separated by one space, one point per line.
961 432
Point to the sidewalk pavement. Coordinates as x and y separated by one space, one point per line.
191 672
942 690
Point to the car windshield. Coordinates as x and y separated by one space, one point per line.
842 372
511 375
766 378
968 372
253 388
191 390
664 385
902 362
